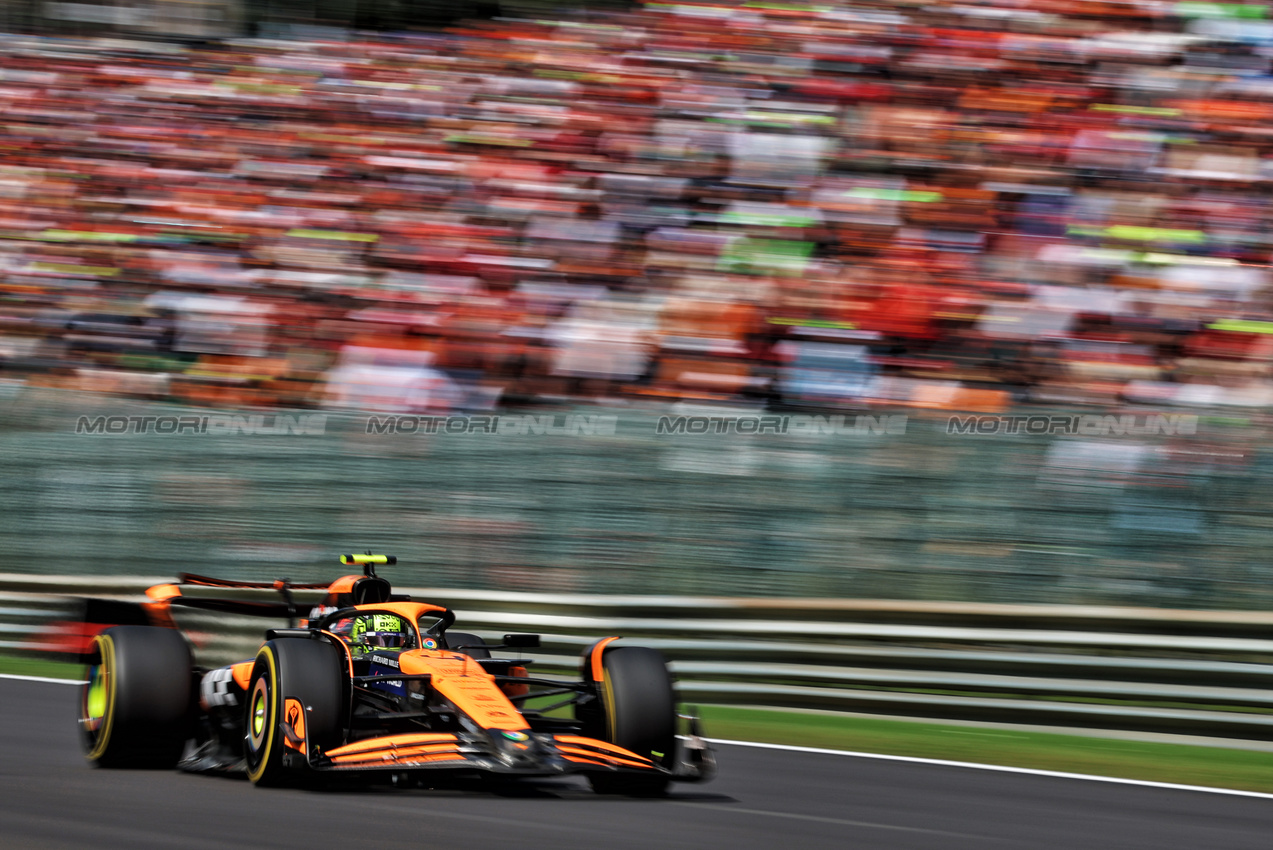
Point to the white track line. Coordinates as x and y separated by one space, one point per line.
1144 783
996 767
41 679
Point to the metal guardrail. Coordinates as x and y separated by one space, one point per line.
1192 672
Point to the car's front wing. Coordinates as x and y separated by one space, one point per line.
507 753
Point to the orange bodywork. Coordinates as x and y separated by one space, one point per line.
412 611
398 749
344 584
598 649
466 684
614 749
577 754
511 690
159 608
404 758
577 748
294 718
242 673
393 742
163 592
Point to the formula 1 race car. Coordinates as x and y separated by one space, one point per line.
372 683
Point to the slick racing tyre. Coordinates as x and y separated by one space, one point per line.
475 646
294 700
135 707
637 711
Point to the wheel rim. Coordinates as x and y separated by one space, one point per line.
97 699
258 719
258 716
94 708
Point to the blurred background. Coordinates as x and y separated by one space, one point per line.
636 210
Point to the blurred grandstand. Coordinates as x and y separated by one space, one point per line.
981 204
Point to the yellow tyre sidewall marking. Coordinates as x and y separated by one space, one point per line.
106 647
271 720
612 721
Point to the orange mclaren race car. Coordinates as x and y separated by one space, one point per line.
374 684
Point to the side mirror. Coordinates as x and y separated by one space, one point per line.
521 641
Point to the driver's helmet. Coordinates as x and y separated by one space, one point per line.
378 631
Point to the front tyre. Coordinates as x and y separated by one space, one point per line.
136 705
294 699
638 712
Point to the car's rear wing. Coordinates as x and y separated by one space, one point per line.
205 581
74 637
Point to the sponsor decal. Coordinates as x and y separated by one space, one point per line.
217 689
294 717
394 686
515 736
430 643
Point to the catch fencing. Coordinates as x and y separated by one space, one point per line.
1174 520
1190 672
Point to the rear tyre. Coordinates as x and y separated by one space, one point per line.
638 712
294 698
476 646
135 708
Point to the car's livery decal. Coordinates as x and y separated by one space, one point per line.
294 724
219 688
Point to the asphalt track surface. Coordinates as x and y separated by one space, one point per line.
776 800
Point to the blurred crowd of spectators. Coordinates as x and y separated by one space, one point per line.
955 205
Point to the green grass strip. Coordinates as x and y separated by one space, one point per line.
33 665
1221 767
